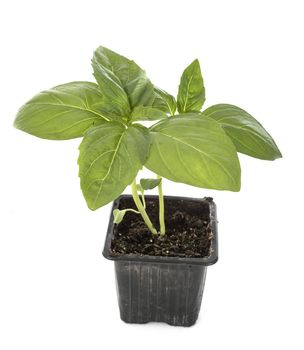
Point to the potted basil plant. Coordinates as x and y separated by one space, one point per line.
161 245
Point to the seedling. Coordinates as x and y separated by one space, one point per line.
194 147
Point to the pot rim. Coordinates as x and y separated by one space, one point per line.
206 261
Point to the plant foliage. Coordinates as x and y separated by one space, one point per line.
194 147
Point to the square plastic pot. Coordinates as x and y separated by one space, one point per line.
160 288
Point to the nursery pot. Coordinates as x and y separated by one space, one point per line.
161 288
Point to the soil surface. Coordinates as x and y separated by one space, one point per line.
188 232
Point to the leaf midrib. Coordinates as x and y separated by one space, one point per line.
110 167
187 92
70 106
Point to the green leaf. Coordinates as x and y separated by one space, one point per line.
139 188
129 76
118 215
113 93
147 113
162 105
191 91
149 184
164 101
110 157
63 112
194 150
247 134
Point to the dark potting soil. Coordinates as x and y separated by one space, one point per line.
188 231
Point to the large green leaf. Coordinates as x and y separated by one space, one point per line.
163 105
191 91
147 113
247 134
194 150
129 76
110 157
63 112
164 101
113 93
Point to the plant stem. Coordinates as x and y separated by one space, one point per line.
141 209
143 199
161 208
133 211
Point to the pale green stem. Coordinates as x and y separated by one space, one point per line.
161 208
143 198
133 211
141 209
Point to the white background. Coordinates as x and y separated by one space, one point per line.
57 291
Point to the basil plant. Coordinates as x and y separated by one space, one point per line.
184 144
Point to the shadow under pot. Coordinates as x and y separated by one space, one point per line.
167 286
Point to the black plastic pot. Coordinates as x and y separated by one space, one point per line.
161 289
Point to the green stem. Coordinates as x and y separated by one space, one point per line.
133 211
161 208
143 199
141 209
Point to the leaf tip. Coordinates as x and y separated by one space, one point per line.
16 123
237 187
278 154
195 64
91 206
